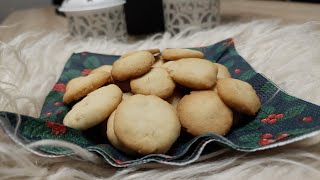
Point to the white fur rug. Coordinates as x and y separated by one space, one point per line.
289 55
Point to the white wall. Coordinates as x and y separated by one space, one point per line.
8 6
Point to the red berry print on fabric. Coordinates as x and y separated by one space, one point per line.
272 118
271 121
281 136
237 71
118 161
56 128
57 103
85 72
47 114
60 87
266 136
278 116
60 111
231 42
264 142
307 119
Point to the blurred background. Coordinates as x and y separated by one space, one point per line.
8 6
141 17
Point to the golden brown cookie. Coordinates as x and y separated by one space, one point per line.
94 108
239 95
146 124
132 66
193 73
214 88
128 53
175 54
126 95
156 82
105 69
159 61
204 112
113 139
223 71
79 87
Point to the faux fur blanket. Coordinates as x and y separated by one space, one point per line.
289 55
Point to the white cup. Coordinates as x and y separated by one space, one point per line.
96 18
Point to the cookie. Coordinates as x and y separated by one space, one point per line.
204 112
175 54
159 61
223 71
239 95
146 124
193 73
113 139
214 88
128 53
132 66
105 69
94 108
123 85
79 87
126 95
156 82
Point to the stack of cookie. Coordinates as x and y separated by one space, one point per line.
146 96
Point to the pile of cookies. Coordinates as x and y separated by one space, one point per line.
146 97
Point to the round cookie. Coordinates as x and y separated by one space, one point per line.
159 61
193 73
175 54
156 82
214 88
112 136
128 53
146 124
81 86
132 66
126 95
239 95
105 69
204 112
223 71
94 108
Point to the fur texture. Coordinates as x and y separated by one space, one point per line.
31 63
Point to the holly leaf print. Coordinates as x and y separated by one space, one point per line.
247 75
288 97
229 64
268 88
91 62
74 57
294 111
265 111
70 74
